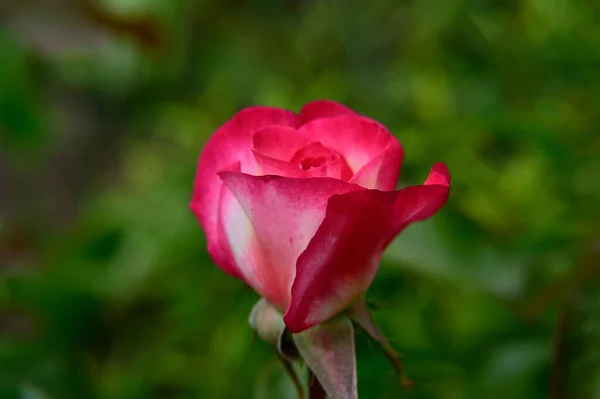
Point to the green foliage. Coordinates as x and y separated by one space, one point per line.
577 346
107 291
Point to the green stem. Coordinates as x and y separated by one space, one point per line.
289 369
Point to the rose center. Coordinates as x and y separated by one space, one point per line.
312 156
312 162
315 155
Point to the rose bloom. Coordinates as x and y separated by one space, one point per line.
301 206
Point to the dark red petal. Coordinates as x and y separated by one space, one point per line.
439 174
230 143
283 215
342 258
311 150
356 138
323 109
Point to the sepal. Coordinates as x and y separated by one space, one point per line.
328 350
359 312
267 322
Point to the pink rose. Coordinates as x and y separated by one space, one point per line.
301 206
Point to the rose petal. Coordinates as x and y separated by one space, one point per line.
381 172
240 238
230 143
323 109
218 246
278 142
283 214
342 258
277 167
318 160
336 168
357 138
271 163
312 150
439 174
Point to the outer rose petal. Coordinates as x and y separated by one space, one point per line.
357 138
343 256
230 143
281 215
218 246
323 109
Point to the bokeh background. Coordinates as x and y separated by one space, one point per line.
106 289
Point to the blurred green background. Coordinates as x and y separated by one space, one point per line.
106 289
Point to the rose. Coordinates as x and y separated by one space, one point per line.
301 207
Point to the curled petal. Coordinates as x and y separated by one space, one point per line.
323 109
284 151
276 167
335 168
439 174
312 160
278 142
342 258
280 216
357 138
381 172
229 144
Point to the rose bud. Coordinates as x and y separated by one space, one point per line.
301 207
